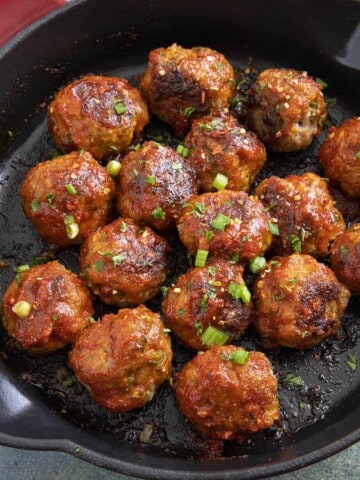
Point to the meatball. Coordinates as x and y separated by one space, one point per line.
345 258
67 198
154 182
286 108
181 84
340 156
204 297
98 114
226 224
298 302
218 144
124 263
45 307
304 212
227 392
123 358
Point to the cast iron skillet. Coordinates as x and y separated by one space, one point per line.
40 405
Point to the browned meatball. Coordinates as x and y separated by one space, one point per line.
98 114
286 108
340 156
124 263
345 258
227 224
298 302
207 296
154 182
123 358
304 212
67 198
181 84
46 307
227 392
218 144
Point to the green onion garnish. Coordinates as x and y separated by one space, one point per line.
22 308
357 154
158 213
119 107
70 189
213 336
220 222
257 264
35 205
150 179
220 181
273 228
188 111
239 357
113 168
295 243
22 268
200 258
239 291
183 151
72 228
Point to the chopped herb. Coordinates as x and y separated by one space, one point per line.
313 105
70 189
180 312
123 227
239 292
257 264
71 227
117 259
205 126
150 179
295 243
198 327
176 166
274 263
304 334
50 197
302 405
35 205
234 258
233 102
55 317
292 280
357 154
200 258
167 330
269 207
22 268
38 261
220 222
291 378
204 302
220 181
158 213
198 209
67 383
213 336
78 449
321 83
188 111
137 147
344 250
240 356
92 320
135 172
54 154
99 265
183 151
164 291
273 228
209 235
351 361
212 270
10 134
119 107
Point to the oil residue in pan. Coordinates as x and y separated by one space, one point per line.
311 382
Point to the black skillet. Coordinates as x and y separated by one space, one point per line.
41 405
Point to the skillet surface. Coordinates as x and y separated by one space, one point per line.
320 416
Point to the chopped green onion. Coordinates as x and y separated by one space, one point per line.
198 209
176 166
117 259
213 336
200 258
239 357
70 189
344 250
35 205
158 213
291 378
119 107
71 227
220 222
99 265
22 308
164 291
113 168
351 361
50 197
357 154
313 105
321 83
273 228
188 111
69 219
209 235
22 268
212 270
204 302
150 179
295 243
183 151
67 383
233 102
239 291
10 134
205 126
220 181
257 264
92 320
123 227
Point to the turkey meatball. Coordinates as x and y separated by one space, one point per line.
304 211
340 156
181 84
219 145
228 392
298 302
123 358
45 307
286 109
154 182
98 114
345 258
207 296
124 263
67 198
226 224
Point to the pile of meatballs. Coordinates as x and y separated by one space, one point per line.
119 199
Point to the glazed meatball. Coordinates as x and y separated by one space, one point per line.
218 144
286 109
340 156
123 358
298 302
304 212
226 224
45 307
207 296
98 114
345 258
154 182
181 84
228 392
124 263
67 198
